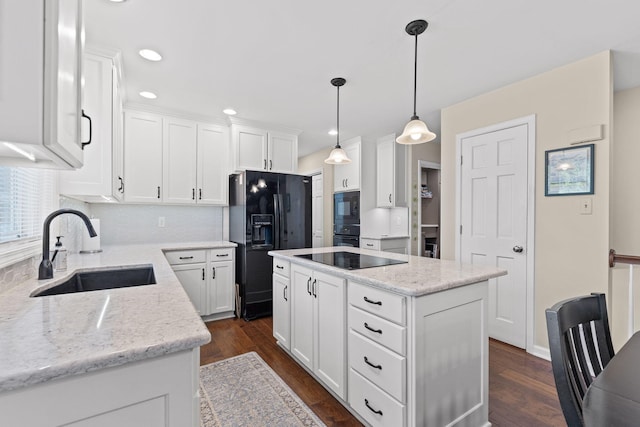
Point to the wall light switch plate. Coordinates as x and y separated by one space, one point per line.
585 206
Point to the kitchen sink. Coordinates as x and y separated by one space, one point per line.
95 280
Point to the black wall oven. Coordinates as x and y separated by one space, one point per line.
346 219
346 208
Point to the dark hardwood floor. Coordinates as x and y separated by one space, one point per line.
521 387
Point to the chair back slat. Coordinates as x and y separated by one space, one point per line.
580 346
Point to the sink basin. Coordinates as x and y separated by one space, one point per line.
96 280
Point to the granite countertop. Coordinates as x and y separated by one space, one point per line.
44 338
419 276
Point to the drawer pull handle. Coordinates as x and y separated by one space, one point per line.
378 331
369 244
371 364
285 293
378 411
309 286
186 257
280 267
372 302
222 255
313 287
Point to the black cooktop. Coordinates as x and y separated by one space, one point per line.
351 261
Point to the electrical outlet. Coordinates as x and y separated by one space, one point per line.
161 221
585 206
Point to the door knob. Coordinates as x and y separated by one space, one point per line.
518 249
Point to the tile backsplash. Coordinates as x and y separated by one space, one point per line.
18 273
130 224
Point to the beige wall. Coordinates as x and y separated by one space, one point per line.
570 249
314 162
429 152
625 205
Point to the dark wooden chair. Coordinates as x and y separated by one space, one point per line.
580 344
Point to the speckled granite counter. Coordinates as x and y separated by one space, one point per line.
419 276
56 336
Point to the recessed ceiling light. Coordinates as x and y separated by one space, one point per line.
150 55
117 1
230 111
333 132
148 95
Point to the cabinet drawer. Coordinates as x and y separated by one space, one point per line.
185 257
376 407
381 303
372 244
379 330
379 365
281 267
222 254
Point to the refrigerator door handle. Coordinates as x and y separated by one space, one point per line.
281 223
276 211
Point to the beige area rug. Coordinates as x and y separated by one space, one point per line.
244 391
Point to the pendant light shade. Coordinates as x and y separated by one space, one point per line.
416 131
338 156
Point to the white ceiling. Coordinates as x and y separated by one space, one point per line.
272 60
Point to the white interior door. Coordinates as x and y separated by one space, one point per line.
317 216
494 223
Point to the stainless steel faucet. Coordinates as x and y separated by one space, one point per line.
45 271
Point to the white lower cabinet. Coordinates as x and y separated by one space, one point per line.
412 361
208 278
162 391
396 245
281 304
193 279
317 325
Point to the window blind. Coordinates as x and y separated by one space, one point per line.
27 196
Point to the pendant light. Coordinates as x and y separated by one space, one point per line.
338 156
416 131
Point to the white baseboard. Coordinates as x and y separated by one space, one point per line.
541 352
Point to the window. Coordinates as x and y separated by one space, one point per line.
27 196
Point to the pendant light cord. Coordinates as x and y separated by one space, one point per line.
415 78
338 120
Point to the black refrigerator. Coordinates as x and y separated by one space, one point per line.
267 211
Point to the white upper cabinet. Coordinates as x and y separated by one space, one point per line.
347 177
191 167
251 148
260 149
41 83
100 179
179 161
213 166
391 176
142 157
282 153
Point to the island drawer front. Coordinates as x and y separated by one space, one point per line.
186 256
379 365
381 303
281 267
372 244
365 398
222 254
379 330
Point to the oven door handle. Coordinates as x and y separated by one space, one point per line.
276 211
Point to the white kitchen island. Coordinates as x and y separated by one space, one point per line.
116 357
400 345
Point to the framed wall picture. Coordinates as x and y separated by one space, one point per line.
569 171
